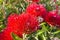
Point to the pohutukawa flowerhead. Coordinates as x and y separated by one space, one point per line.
28 23
35 0
12 26
13 23
53 18
36 10
12 20
6 34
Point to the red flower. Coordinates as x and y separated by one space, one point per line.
28 23
19 24
53 18
12 26
13 20
36 10
6 34
13 23
35 0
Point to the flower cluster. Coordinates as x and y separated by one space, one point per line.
53 18
19 24
36 9
27 22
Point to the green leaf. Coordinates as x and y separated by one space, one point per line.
16 37
44 38
57 32
39 32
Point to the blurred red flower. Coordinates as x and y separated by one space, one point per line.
12 26
36 10
6 34
28 23
53 18
19 24
35 0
